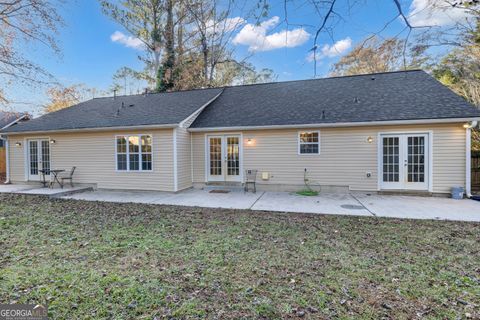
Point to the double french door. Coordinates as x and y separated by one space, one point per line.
404 161
38 157
224 158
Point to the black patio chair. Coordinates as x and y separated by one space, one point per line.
69 177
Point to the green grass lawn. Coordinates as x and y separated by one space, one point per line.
126 261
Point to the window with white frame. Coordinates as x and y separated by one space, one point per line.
309 142
134 153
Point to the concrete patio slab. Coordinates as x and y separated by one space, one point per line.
148 197
326 203
36 190
421 207
356 204
13 188
203 198
192 197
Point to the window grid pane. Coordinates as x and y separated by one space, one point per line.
215 156
416 159
134 153
122 153
146 162
146 147
46 155
233 156
309 143
121 162
134 162
121 144
391 159
33 157
133 144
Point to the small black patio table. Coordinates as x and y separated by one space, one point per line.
44 172
55 177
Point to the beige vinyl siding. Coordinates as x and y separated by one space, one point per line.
345 156
184 163
93 154
16 158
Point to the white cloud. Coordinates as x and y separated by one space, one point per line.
257 39
231 24
227 25
330 51
434 13
127 41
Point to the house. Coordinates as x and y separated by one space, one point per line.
8 119
397 131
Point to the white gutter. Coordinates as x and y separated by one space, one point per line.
468 159
336 125
156 126
7 156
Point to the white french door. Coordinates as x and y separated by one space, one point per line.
38 157
404 161
224 158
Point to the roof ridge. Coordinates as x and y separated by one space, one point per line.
328 78
154 93
265 83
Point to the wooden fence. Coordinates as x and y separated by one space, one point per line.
476 171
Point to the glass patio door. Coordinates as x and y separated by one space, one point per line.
404 161
224 158
416 162
38 158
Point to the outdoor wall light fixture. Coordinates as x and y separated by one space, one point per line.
52 141
18 144
249 141
369 139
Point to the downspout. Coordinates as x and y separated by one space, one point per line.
175 163
7 156
468 158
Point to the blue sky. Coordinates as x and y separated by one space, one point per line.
89 55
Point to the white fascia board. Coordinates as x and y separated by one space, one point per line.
156 126
338 124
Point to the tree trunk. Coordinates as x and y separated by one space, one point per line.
156 41
169 47
205 59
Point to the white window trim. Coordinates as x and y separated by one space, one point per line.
299 143
140 153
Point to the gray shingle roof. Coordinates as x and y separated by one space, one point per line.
137 110
405 95
7 118
390 96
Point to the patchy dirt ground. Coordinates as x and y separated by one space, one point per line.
126 261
